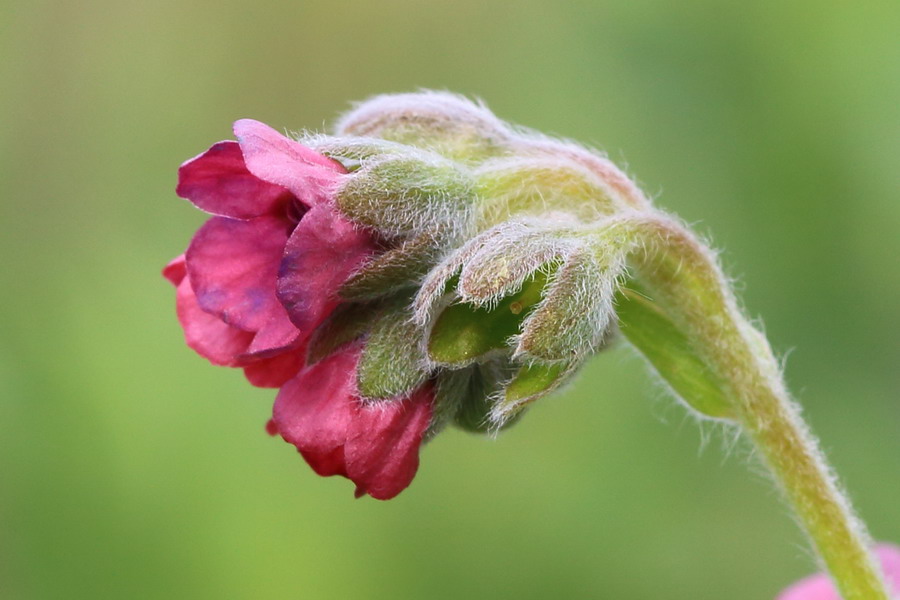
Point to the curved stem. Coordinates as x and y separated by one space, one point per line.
681 286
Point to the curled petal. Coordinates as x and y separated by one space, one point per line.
208 335
233 267
218 182
376 446
314 410
310 176
382 450
324 250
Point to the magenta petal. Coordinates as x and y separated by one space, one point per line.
314 410
382 450
275 371
322 252
206 333
176 270
218 182
233 267
276 159
819 587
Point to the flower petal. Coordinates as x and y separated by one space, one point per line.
218 182
315 409
208 335
275 371
310 176
233 267
324 250
382 449
176 270
819 586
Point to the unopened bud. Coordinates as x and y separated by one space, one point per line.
446 123
410 194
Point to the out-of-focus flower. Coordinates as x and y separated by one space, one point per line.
820 587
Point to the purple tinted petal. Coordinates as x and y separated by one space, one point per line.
272 157
322 252
382 449
314 410
207 334
218 182
233 267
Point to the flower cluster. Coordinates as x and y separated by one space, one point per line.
425 265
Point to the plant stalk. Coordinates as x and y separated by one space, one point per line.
679 311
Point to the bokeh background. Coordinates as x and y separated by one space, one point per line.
130 468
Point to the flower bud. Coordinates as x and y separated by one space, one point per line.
409 194
449 124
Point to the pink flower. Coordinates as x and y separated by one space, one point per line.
376 445
819 587
261 275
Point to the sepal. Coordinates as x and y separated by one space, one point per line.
392 363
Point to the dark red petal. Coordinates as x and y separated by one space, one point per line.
276 371
382 449
176 270
315 409
233 267
272 157
322 252
207 334
218 182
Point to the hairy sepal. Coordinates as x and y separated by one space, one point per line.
392 363
398 268
407 195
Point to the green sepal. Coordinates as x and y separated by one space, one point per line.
531 382
346 323
402 195
571 321
463 332
485 384
670 352
395 269
392 363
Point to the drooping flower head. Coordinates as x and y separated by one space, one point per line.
425 265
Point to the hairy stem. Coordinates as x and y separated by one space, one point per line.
719 364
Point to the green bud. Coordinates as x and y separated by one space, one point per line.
516 250
576 312
410 194
540 186
451 125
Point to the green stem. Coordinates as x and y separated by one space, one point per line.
681 314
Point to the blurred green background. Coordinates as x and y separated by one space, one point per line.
129 467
